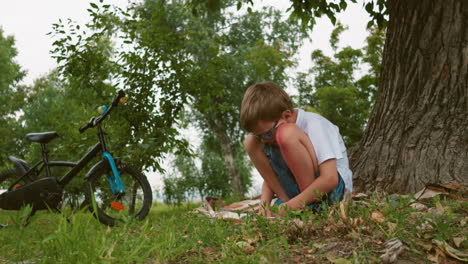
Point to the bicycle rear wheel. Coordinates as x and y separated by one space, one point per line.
8 176
109 208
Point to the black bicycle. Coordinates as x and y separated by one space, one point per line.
113 190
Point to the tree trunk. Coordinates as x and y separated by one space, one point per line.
233 172
417 133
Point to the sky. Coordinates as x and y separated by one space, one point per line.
29 21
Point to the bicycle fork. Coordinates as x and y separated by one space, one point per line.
114 180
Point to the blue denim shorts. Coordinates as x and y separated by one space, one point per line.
288 182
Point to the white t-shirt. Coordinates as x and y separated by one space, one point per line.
327 142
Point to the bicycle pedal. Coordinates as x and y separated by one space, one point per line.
16 186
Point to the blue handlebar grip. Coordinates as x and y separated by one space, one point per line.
104 109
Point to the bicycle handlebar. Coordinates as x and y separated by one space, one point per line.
120 95
95 121
88 125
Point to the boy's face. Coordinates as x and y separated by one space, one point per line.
265 131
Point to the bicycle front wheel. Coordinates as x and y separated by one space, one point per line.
109 207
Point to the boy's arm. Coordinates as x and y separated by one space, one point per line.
327 181
265 199
259 159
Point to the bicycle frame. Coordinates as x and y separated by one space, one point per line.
76 166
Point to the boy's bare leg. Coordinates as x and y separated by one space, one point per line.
255 150
299 155
298 152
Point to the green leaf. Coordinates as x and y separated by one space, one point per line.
369 7
343 5
239 5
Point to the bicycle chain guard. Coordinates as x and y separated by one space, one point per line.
41 194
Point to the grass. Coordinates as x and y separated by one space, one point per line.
175 235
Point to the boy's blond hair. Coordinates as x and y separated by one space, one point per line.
263 101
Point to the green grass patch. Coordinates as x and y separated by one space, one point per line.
176 235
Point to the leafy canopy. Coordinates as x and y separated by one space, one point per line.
331 86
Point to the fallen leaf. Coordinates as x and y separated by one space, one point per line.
343 212
437 254
440 208
248 249
452 186
242 244
454 253
458 240
251 241
297 259
245 205
298 223
391 228
427 193
433 258
454 191
109 252
434 190
355 222
354 235
434 212
377 217
427 247
331 211
393 248
428 236
192 251
319 245
208 251
359 195
418 206
337 260
364 203
347 196
214 202
424 226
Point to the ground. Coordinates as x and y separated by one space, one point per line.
368 229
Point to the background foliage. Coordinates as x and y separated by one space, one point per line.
343 88
184 65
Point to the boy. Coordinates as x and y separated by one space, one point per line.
291 148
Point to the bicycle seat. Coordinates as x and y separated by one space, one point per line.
43 137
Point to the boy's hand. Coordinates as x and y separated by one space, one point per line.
265 211
283 209
288 206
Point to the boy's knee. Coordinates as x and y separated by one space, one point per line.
287 134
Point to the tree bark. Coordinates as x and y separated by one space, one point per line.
233 172
417 133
